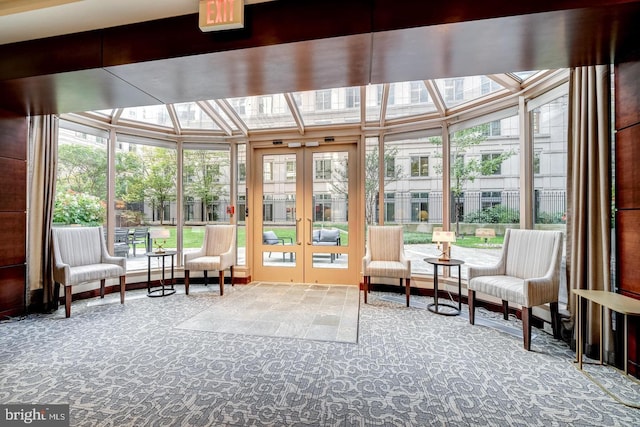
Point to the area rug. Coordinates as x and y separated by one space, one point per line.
305 311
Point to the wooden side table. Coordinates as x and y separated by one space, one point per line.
435 307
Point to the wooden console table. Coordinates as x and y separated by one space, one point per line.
622 304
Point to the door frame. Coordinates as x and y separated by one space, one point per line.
306 272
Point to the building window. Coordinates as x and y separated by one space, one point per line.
268 171
322 207
242 172
323 170
419 207
419 93
490 165
265 105
453 90
353 97
291 170
323 100
390 167
490 199
389 207
419 166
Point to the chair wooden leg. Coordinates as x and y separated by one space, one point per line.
471 300
555 320
221 282
67 301
102 288
56 295
206 278
233 281
366 288
186 282
123 288
505 309
526 327
407 289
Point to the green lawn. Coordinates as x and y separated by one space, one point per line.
193 237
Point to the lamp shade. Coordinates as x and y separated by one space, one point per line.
159 233
443 236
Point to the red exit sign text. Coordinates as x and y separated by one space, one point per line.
218 15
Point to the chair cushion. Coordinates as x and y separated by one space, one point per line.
385 243
270 238
386 269
329 236
91 272
507 288
79 246
203 263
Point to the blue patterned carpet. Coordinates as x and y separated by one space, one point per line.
130 365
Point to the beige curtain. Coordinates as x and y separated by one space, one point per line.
43 158
589 192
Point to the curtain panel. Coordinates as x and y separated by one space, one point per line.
589 194
43 159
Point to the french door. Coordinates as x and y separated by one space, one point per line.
304 217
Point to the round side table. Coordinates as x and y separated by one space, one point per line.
435 307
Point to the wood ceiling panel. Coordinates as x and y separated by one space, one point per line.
316 64
528 42
71 92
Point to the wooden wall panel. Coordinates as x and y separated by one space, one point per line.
627 103
13 243
12 285
627 170
628 248
13 129
628 95
13 196
13 205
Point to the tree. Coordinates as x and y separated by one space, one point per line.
159 178
203 172
465 168
392 172
82 169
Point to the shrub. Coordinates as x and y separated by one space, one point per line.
494 215
78 208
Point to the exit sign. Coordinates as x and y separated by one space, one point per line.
218 15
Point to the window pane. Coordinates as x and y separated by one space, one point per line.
485 189
550 171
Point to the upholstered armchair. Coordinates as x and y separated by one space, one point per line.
528 274
385 257
81 256
218 252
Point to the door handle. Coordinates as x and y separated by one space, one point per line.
298 242
310 242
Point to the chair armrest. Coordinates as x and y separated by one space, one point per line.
227 259
478 271
541 290
366 260
61 273
188 256
117 260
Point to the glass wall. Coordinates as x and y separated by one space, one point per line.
207 189
81 186
145 197
413 191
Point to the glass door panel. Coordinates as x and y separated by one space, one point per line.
304 223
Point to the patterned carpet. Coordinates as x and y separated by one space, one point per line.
130 365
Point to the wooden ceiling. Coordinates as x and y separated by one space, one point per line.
290 46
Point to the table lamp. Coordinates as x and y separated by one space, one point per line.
159 233
441 237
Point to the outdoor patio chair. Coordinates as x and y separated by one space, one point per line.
140 235
270 238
